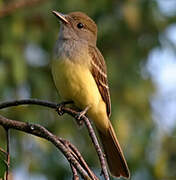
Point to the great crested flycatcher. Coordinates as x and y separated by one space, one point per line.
79 73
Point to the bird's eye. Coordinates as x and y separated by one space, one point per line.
80 25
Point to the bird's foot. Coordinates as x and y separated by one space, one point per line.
81 114
60 106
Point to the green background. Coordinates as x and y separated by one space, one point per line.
128 32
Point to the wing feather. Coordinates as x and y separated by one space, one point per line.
99 72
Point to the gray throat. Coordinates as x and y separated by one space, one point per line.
69 48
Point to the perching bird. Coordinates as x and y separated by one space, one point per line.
79 73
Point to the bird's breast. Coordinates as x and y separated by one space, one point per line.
74 81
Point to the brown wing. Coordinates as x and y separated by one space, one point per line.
99 72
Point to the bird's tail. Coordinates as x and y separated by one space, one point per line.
114 155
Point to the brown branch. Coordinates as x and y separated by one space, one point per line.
74 171
71 112
40 131
27 102
8 153
77 155
97 147
13 6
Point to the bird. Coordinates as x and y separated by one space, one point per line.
80 75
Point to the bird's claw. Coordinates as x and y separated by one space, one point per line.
80 115
59 107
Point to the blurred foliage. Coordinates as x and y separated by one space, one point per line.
2 167
128 31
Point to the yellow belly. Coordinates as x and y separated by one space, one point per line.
75 82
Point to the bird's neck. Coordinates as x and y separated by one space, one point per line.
69 48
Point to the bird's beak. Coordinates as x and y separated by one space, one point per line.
61 16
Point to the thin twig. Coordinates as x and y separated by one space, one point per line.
40 131
8 153
97 147
79 157
27 102
74 171
13 6
83 162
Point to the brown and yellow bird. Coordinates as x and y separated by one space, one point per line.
80 75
